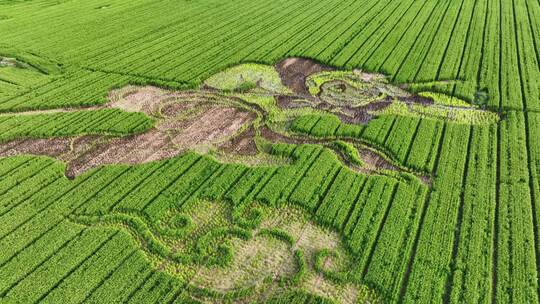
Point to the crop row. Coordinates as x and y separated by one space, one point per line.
406 34
74 89
95 122
410 141
434 252
272 32
227 36
435 41
117 190
364 208
395 244
300 37
533 129
406 67
515 231
356 44
54 271
160 43
327 47
473 260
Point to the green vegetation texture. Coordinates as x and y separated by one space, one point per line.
472 235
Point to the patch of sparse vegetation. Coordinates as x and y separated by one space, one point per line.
470 116
246 77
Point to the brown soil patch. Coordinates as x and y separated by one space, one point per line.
294 71
215 124
167 140
290 102
55 147
413 98
374 161
243 144
185 121
355 116
175 109
277 137
377 106
324 106
360 115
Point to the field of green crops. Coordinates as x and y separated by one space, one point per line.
453 217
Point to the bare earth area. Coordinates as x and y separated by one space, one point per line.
294 71
185 122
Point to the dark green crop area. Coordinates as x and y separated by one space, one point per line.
452 217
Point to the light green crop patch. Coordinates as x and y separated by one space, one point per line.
277 115
246 77
350 151
352 78
443 99
470 116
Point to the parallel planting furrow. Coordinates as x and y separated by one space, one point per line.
325 47
394 246
365 232
471 279
22 265
162 46
472 56
423 148
388 28
433 255
272 33
330 52
413 29
459 221
406 68
533 148
300 40
55 271
238 36
515 267
122 281
357 42
431 65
